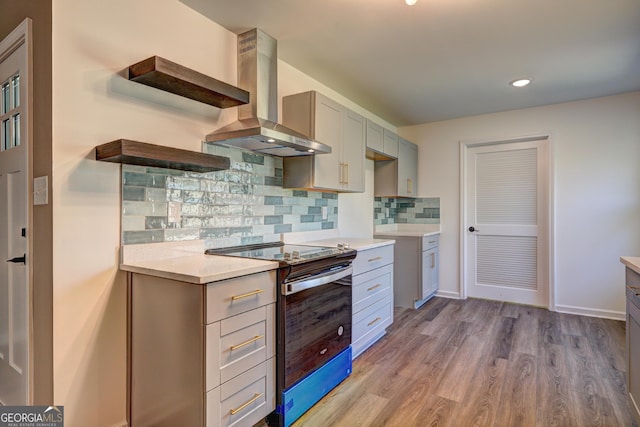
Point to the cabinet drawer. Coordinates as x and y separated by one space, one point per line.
372 258
371 287
429 242
234 296
239 343
244 400
376 316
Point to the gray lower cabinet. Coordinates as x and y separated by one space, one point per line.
201 355
372 297
415 269
633 342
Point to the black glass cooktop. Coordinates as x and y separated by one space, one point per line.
278 251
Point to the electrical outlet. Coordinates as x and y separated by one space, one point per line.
325 214
386 212
41 190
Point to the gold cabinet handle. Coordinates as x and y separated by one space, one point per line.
378 258
346 181
248 294
240 408
433 260
247 342
374 287
409 185
374 321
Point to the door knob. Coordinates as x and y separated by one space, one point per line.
17 260
472 229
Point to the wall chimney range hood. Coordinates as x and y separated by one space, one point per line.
257 127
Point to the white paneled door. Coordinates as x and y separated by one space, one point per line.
14 219
506 222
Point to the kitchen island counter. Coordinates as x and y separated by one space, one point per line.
187 262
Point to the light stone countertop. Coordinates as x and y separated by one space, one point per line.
408 230
631 262
187 262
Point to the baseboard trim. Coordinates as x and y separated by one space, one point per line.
448 294
592 312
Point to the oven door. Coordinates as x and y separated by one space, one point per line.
316 323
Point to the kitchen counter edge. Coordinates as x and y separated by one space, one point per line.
631 262
359 244
199 269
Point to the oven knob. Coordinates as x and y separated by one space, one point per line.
287 256
345 246
296 255
340 246
340 330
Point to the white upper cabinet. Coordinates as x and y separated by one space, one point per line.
390 143
382 144
398 178
326 121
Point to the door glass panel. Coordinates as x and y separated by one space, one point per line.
5 135
15 83
5 98
16 130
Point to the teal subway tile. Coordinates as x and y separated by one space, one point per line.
307 218
133 223
327 195
147 236
182 183
273 219
273 200
300 193
282 210
316 210
283 228
239 231
214 186
144 208
273 180
278 172
164 171
321 202
157 195
144 180
213 233
327 225
133 193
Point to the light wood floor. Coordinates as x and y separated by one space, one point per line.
463 363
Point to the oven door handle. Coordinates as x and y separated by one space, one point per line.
312 282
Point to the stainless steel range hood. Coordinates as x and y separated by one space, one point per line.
257 127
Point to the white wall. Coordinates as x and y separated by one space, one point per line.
93 42
597 191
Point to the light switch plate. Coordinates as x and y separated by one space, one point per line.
324 212
174 214
41 190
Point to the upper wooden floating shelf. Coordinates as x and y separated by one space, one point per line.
144 154
171 77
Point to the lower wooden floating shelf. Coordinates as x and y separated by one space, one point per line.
144 154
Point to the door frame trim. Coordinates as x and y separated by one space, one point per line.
464 147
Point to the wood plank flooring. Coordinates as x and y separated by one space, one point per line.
473 362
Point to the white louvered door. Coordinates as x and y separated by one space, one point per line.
506 222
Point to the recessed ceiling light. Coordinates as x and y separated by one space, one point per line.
311 150
520 82
271 140
411 2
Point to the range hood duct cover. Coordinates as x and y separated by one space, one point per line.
257 127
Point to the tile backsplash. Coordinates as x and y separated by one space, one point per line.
406 211
241 205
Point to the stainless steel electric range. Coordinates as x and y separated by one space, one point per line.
313 349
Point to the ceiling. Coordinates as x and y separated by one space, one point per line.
444 59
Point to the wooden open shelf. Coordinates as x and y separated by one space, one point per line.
143 154
171 77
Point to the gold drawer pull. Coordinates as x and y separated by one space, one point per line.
374 287
254 339
378 258
248 294
374 321
255 397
